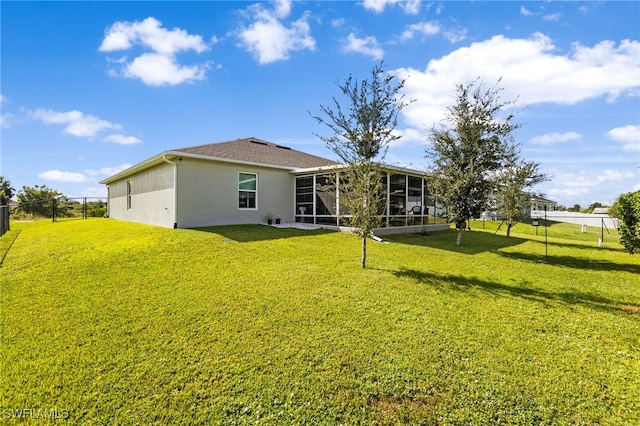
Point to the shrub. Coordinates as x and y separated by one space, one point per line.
627 209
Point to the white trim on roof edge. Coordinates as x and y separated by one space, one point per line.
160 158
342 166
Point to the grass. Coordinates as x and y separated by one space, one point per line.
122 323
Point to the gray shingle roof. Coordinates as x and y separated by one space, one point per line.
256 150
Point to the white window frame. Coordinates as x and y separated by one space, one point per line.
255 191
129 194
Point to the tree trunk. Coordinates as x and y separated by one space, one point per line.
363 262
460 225
509 225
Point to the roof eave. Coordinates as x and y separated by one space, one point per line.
157 159
342 166
149 162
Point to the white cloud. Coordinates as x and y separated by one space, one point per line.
158 70
77 123
122 139
552 138
160 67
81 125
530 69
269 40
59 176
5 120
425 28
455 35
107 171
525 12
94 191
552 17
409 136
584 187
151 34
411 7
628 135
367 46
283 8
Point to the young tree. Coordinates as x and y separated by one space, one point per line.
362 130
512 181
468 150
627 209
6 191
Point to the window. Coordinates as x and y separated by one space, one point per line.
128 195
304 196
247 190
325 196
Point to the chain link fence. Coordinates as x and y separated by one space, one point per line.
61 207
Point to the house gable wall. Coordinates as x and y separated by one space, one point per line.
152 197
208 193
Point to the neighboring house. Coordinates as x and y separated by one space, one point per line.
240 181
539 205
534 208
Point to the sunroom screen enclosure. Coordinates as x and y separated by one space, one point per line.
408 201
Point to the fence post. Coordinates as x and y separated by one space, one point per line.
4 218
546 238
601 232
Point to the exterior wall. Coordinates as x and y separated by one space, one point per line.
595 220
208 193
152 197
537 207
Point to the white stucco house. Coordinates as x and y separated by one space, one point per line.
240 181
538 205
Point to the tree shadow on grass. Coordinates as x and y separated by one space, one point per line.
473 242
250 233
468 284
583 245
574 262
6 243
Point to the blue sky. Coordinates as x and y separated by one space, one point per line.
90 88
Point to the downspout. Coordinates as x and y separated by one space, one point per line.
175 189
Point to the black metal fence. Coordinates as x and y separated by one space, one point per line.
61 207
4 219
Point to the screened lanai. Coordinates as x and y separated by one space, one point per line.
408 200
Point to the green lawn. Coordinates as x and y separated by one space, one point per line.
121 323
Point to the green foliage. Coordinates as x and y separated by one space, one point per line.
511 184
96 208
627 209
593 206
6 191
361 192
121 323
361 133
468 150
363 128
40 201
